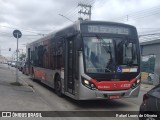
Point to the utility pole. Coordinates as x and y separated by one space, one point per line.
85 10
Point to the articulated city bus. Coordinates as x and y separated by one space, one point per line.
88 60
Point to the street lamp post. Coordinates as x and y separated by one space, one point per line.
17 61
17 34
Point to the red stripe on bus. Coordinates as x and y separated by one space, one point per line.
113 85
39 74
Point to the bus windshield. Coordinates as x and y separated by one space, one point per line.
126 52
100 54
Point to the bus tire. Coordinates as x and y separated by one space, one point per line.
58 86
22 71
33 75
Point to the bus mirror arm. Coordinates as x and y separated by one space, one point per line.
79 45
78 52
72 34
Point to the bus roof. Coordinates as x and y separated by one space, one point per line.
76 28
105 22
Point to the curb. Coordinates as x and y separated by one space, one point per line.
146 86
26 84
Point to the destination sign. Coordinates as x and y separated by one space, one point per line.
108 29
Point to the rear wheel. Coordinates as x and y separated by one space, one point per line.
33 75
58 86
22 71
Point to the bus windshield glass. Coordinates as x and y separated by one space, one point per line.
100 54
126 52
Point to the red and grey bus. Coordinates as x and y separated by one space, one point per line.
88 60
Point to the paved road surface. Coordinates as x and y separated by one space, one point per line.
43 98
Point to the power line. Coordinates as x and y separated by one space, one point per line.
6 33
66 17
147 28
22 30
150 34
71 11
5 36
140 14
149 37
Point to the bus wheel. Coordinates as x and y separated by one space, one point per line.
58 86
33 75
22 71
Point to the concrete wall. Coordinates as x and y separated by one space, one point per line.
2 59
150 49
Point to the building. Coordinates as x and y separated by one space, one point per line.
150 51
2 59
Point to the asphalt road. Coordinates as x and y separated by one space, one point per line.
45 99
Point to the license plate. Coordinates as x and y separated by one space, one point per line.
114 96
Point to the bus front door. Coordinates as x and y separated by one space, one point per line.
69 66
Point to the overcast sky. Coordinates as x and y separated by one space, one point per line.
36 17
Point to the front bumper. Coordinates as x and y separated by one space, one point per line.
87 94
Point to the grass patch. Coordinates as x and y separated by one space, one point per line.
16 84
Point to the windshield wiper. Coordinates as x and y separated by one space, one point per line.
108 69
109 64
108 51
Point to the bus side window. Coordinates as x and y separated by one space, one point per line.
59 53
40 56
36 57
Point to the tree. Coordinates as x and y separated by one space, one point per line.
148 66
22 57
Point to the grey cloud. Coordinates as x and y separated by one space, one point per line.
42 15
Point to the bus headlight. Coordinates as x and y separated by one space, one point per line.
136 83
88 84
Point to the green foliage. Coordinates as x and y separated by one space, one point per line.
22 57
148 66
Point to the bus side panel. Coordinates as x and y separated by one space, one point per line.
44 75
